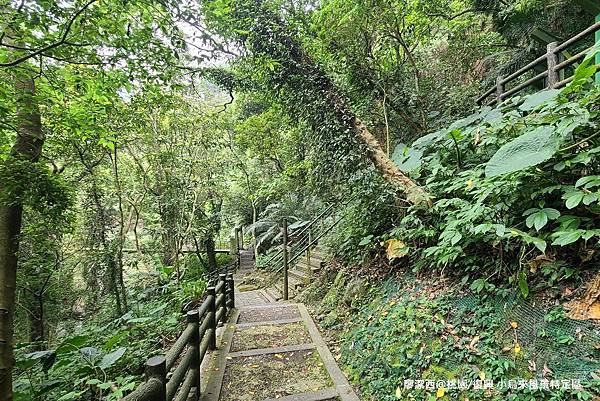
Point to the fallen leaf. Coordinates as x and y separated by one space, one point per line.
395 249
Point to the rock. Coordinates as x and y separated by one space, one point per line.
356 288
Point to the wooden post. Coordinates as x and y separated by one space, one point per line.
156 369
241 237
499 89
552 59
212 313
222 278
194 343
230 290
285 260
233 245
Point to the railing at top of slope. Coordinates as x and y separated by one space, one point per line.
556 67
175 376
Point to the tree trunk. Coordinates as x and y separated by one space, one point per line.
28 147
388 169
211 255
120 282
36 320
254 242
295 65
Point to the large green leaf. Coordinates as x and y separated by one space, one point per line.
532 102
109 359
429 139
530 149
407 159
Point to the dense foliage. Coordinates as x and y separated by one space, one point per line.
134 137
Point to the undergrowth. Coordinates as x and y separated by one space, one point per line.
103 358
402 331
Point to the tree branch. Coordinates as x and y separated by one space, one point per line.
62 40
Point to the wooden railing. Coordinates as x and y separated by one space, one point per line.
176 375
553 77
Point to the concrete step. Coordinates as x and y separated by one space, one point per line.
274 293
300 275
308 268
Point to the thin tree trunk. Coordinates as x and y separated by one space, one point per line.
254 218
211 255
28 147
120 284
36 320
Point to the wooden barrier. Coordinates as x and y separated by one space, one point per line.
185 356
551 76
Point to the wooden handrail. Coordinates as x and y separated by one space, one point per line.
551 75
196 339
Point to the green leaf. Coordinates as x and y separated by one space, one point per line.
563 238
539 244
530 149
573 199
537 220
552 214
588 181
478 285
73 395
590 198
109 359
532 102
407 159
523 285
366 240
71 344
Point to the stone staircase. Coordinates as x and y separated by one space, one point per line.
299 275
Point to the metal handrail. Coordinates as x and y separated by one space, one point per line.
312 243
304 229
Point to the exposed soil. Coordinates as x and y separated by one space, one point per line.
273 376
270 336
252 315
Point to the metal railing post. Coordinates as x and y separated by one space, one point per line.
212 312
194 343
156 369
552 59
285 261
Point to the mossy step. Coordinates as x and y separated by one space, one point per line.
301 275
305 267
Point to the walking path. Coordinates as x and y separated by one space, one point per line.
273 351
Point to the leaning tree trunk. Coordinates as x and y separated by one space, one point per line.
299 81
26 149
